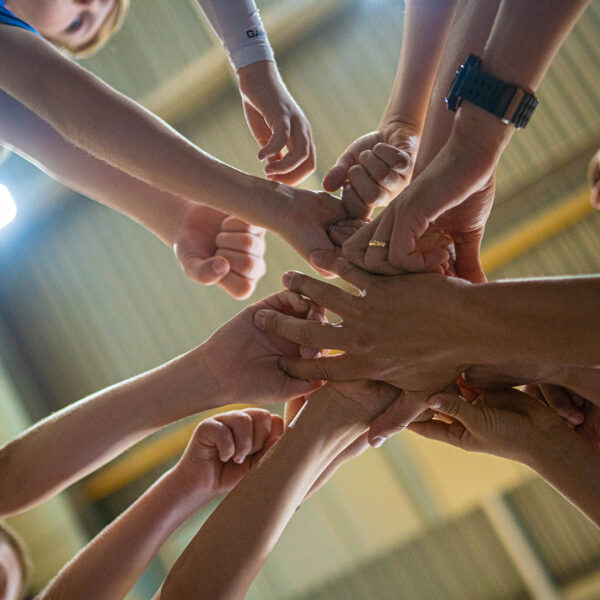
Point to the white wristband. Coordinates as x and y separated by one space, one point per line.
237 24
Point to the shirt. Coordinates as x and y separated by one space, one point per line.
8 18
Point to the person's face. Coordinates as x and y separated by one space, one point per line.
71 23
11 576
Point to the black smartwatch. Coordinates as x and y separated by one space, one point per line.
510 103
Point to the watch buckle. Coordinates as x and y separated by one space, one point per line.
510 113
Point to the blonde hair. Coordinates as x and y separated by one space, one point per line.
112 24
9 536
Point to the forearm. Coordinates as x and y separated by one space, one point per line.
109 566
572 466
426 26
469 33
229 550
110 126
36 141
537 322
519 50
83 436
239 29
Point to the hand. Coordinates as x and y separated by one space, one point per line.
374 168
406 330
505 423
562 388
454 194
594 177
243 361
214 248
276 122
224 448
311 221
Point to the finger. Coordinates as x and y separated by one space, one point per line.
301 172
395 159
310 334
235 225
315 313
237 286
299 150
341 266
434 430
467 262
560 401
336 368
386 178
324 294
340 234
365 187
353 205
241 242
336 176
214 433
241 426
376 256
278 139
247 265
276 426
206 271
355 248
396 417
261 428
458 408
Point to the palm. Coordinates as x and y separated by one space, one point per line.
244 360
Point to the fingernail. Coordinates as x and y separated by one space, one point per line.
238 460
286 279
220 267
260 319
575 419
434 402
282 364
378 442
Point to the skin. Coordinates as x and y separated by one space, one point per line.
71 23
466 163
211 247
594 177
422 331
220 452
277 123
231 547
377 166
514 425
136 142
11 575
87 434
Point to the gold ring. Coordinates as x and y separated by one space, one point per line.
378 244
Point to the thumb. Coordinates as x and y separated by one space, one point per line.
206 271
279 138
335 177
458 408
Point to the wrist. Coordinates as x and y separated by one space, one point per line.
186 498
480 134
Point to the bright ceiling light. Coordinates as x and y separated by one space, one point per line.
8 208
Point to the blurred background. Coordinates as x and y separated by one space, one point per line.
88 298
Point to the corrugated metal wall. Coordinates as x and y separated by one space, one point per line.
90 297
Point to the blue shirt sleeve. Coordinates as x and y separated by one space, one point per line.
8 18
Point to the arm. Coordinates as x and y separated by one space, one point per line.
191 229
133 140
237 364
231 547
513 425
274 118
108 567
519 51
377 166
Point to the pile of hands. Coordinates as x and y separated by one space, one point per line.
431 392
